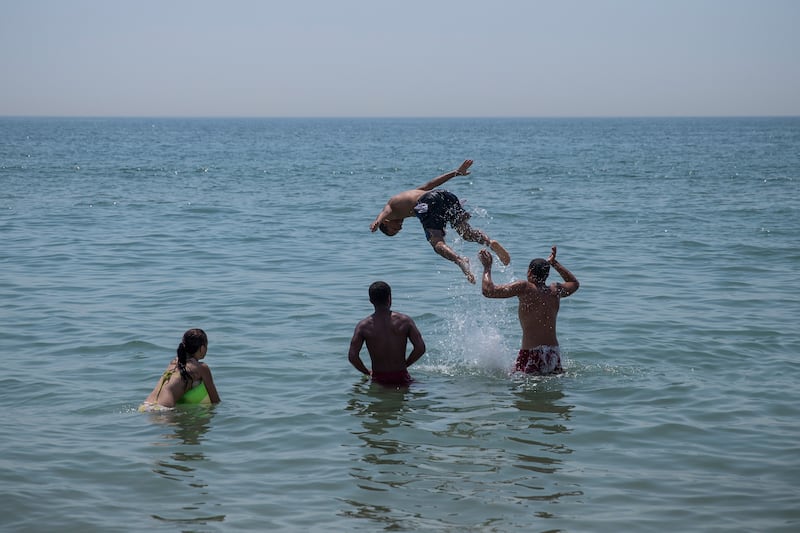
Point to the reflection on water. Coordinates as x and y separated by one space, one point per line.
418 448
381 410
387 462
540 405
186 428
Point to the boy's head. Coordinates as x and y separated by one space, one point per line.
391 228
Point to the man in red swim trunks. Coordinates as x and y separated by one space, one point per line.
538 309
386 333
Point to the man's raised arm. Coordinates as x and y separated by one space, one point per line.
488 288
571 283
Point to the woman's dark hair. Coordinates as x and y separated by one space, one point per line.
193 340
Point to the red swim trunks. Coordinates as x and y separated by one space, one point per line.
392 378
540 360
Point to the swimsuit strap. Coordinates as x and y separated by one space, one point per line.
165 377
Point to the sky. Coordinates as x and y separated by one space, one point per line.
408 58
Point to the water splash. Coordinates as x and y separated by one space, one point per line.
473 338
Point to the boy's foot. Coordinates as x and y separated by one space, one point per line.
501 252
463 264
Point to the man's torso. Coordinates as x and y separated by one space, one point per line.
538 310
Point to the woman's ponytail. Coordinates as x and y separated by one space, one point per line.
193 340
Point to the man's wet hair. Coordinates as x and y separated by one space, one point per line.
379 293
539 268
384 229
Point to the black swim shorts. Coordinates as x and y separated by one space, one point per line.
438 207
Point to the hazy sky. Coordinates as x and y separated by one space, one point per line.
411 58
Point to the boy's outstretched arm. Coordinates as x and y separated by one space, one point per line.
383 215
463 170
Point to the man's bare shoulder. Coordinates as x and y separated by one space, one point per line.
530 292
365 323
523 286
402 322
561 290
401 317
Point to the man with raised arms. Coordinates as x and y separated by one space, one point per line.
386 333
435 208
538 310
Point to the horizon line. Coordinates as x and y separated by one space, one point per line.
391 117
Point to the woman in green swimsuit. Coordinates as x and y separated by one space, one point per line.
185 376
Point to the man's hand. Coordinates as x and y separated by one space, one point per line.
552 258
486 258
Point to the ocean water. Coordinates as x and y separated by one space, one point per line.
679 407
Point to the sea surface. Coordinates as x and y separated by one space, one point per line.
679 409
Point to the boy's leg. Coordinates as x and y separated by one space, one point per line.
468 233
440 247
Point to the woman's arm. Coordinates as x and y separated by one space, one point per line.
208 381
